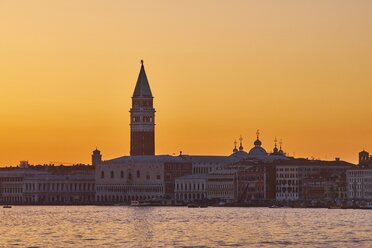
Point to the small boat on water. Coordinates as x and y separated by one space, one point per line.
139 204
192 205
7 206
275 206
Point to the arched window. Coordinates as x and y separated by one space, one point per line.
122 174
102 174
112 174
138 174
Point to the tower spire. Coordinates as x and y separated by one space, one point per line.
142 88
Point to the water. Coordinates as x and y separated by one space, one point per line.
94 226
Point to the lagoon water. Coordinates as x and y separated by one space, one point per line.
96 226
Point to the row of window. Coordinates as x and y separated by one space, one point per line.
124 198
126 188
145 119
190 196
129 175
189 186
11 179
59 187
11 190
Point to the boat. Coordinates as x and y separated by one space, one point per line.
274 206
192 205
139 204
7 206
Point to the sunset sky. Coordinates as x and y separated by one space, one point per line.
296 70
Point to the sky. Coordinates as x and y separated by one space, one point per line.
296 70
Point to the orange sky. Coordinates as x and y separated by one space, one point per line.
297 70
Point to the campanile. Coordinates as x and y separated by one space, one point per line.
142 118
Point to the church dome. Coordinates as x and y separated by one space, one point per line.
257 142
275 150
257 151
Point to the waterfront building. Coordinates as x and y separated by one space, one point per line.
255 182
290 176
138 178
221 185
47 185
11 186
359 185
324 190
191 188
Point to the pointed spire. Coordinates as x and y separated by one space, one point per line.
142 86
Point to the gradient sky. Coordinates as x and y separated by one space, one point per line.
297 70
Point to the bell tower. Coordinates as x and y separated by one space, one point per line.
142 118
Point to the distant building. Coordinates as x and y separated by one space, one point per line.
324 189
96 157
365 160
191 188
255 183
292 175
138 178
57 185
221 185
359 185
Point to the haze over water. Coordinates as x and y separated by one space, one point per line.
94 226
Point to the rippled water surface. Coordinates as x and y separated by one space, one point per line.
93 226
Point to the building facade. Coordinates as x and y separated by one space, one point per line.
57 185
292 177
191 188
359 184
129 178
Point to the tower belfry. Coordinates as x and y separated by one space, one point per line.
142 118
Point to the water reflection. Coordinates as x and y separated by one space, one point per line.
182 227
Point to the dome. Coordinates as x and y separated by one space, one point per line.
257 142
257 151
239 155
275 150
